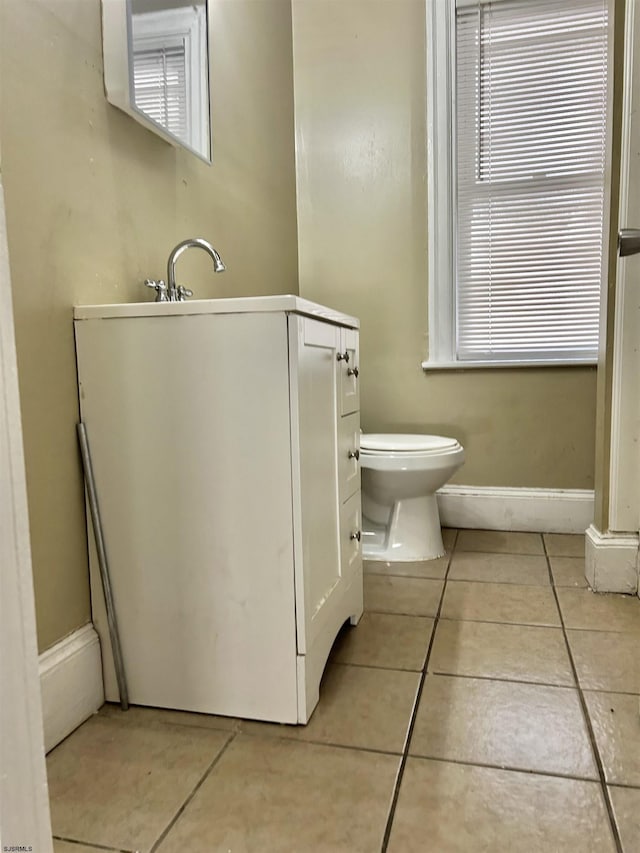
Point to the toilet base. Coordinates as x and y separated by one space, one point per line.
412 533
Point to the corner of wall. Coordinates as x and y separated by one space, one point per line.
611 561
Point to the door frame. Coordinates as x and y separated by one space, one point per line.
24 800
624 463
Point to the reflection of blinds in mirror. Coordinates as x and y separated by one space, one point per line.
160 84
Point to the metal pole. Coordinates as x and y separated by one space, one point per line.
104 566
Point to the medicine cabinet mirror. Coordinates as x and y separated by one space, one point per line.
156 67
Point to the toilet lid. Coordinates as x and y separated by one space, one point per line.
401 442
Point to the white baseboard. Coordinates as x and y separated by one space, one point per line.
71 684
536 510
611 561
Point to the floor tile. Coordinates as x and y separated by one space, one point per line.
359 707
386 640
500 602
615 718
452 808
518 652
626 807
598 611
568 571
436 569
500 568
68 847
280 796
141 716
606 660
409 596
449 537
97 773
521 726
564 544
500 542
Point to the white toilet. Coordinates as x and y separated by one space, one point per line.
400 476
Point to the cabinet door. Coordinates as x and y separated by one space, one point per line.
349 370
199 528
313 347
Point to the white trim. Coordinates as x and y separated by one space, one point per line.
611 561
440 164
624 479
465 365
536 510
71 684
24 802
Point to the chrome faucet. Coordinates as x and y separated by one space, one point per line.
171 292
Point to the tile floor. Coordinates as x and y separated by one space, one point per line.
488 701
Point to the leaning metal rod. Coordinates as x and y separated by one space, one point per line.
104 566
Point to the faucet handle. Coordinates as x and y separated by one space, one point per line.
160 288
183 293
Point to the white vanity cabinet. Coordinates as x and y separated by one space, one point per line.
224 436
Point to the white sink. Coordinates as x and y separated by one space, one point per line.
238 305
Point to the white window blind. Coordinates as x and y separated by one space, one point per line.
531 101
160 85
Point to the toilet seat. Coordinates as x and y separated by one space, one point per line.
383 444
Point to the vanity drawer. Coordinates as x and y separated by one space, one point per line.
348 455
350 536
349 371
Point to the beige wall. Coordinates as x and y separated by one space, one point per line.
359 68
95 203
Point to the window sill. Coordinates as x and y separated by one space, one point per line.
474 365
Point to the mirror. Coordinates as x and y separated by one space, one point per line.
156 67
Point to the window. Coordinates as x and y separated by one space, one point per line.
517 124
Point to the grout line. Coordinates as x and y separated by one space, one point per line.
501 582
457 619
634 633
627 785
612 692
507 768
557 626
388 574
401 612
414 712
199 784
93 844
225 730
544 585
587 720
504 553
571 686
312 742
374 665
503 680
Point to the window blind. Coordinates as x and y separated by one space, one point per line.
531 101
160 86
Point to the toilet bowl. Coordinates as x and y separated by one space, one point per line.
400 476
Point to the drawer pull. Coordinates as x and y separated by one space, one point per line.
343 356
354 454
353 371
357 535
